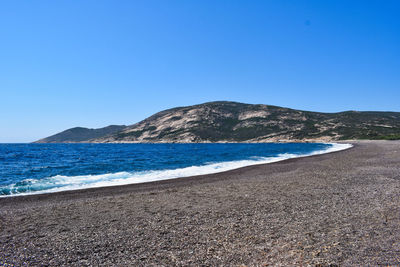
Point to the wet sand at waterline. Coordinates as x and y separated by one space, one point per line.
339 208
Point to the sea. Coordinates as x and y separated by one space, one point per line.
45 168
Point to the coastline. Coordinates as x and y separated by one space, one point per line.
335 208
180 173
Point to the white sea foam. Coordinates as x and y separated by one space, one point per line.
66 183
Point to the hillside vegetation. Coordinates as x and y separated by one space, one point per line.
80 134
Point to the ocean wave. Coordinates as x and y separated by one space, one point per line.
65 183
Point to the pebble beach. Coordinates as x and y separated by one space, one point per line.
341 208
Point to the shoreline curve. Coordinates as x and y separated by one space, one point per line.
336 147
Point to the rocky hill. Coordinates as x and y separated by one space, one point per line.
80 134
238 122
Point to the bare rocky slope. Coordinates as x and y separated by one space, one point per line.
237 122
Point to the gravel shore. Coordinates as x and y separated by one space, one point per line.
341 208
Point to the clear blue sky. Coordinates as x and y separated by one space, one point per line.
95 63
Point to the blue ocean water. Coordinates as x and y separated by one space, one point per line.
40 168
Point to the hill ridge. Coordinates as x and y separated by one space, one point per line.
227 121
